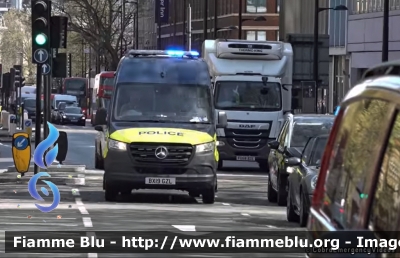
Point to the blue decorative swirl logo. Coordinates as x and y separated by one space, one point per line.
44 145
32 190
45 161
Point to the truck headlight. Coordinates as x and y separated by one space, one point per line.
205 147
112 144
314 182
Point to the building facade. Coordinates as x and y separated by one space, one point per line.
173 32
356 42
364 44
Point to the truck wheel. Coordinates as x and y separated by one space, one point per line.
208 196
110 193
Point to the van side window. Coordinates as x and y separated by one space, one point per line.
386 203
356 153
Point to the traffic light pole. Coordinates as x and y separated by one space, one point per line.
38 108
46 103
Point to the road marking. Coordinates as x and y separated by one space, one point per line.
92 255
83 210
226 204
75 192
245 214
87 222
78 201
270 226
185 227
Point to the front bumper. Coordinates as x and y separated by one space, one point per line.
228 152
69 121
198 175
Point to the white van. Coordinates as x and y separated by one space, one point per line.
62 98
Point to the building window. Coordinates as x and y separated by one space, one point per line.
256 6
256 35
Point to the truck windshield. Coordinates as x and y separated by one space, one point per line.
255 96
163 102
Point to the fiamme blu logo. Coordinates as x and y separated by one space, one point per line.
44 160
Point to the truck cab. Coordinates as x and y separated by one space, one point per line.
252 84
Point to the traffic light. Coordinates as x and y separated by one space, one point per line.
17 76
12 79
41 13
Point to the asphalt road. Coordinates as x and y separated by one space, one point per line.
80 146
241 205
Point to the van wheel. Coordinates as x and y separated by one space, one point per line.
291 215
282 193
272 195
110 193
303 211
100 161
209 196
220 165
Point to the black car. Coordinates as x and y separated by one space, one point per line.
30 107
292 138
303 179
72 115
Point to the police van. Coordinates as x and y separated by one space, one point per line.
159 131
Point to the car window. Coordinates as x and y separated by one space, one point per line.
306 155
318 151
283 135
304 129
386 200
355 152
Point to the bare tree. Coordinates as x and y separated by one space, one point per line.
102 24
16 39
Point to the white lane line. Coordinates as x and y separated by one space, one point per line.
245 214
91 234
78 201
185 227
226 204
83 210
87 222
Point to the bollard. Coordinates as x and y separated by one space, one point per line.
28 127
4 119
12 124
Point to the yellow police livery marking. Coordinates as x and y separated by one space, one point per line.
21 151
163 135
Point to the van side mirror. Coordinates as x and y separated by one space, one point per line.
293 161
273 144
222 120
98 128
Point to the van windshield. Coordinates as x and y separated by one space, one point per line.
239 95
163 102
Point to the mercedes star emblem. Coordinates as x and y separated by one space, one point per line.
161 152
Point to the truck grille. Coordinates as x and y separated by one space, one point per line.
176 153
247 139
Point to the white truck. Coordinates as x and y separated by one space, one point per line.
252 84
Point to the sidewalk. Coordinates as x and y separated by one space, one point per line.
60 175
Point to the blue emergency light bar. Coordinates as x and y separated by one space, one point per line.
170 53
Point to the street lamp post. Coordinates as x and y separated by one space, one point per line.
315 45
385 32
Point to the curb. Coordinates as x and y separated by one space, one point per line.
62 168
55 180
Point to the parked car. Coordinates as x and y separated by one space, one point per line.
292 138
359 179
30 107
72 115
303 175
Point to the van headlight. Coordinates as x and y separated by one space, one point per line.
205 147
314 182
112 144
64 117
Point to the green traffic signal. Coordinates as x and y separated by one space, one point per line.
41 39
